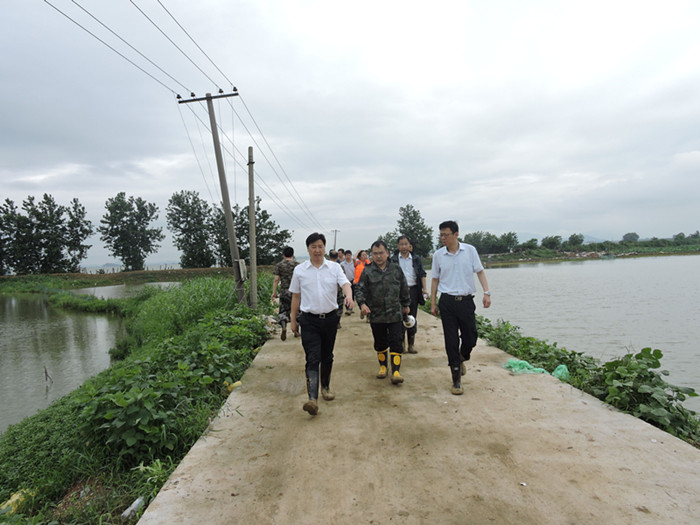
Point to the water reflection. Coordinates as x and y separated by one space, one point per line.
119 291
33 335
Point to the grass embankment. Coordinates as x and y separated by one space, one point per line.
632 383
88 456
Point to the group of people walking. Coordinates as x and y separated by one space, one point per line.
387 290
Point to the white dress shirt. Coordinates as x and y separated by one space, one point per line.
406 264
318 286
455 271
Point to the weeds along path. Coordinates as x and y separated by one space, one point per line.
513 449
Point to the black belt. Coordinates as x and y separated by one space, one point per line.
458 297
321 316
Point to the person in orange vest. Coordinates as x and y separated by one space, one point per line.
361 260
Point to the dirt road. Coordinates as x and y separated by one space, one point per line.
513 449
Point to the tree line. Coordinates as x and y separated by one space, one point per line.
488 243
47 237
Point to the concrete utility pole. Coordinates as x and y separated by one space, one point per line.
335 233
238 264
251 233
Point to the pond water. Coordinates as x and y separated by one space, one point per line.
37 339
607 308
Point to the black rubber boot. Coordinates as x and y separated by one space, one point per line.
457 389
311 406
411 344
326 381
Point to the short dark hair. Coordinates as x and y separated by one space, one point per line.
404 237
378 244
288 251
315 237
341 250
452 225
333 255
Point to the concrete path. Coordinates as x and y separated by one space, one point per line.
513 449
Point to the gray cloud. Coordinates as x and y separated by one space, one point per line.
540 118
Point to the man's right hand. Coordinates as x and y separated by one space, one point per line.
433 308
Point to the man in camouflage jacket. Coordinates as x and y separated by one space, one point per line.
283 276
382 294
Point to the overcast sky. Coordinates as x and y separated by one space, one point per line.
542 118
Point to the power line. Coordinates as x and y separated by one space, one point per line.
194 152
262 152
301 200
110 47
279 163
132 47
274 196
195 43
173 43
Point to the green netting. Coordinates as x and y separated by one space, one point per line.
518 366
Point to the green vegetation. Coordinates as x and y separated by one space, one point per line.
506 248
631 383
89 455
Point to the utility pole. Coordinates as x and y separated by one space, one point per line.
236 262
251 233
335 233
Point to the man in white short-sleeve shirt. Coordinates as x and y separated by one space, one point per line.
452 272
314 290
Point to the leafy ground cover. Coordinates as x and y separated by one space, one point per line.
89 455
632 383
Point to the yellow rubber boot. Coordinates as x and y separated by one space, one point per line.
395 365
382 357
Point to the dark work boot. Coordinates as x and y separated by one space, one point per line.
326 392
411 344
395 365
457 389
311 406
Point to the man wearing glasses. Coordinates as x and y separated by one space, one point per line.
453 269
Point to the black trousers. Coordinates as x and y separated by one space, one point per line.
318 338
459 327
388 335
415 292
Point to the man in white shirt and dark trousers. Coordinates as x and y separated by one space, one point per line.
453 269
314 308
412 267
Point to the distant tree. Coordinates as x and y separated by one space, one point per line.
390 238
44 237
4 243
694 236
576 239
507 242
679 238
484 242
126 230
270 239
630 237
527 245
78 229
189 218
412 225
25 250
8 232
552 242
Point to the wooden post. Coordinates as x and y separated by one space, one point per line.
251 233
